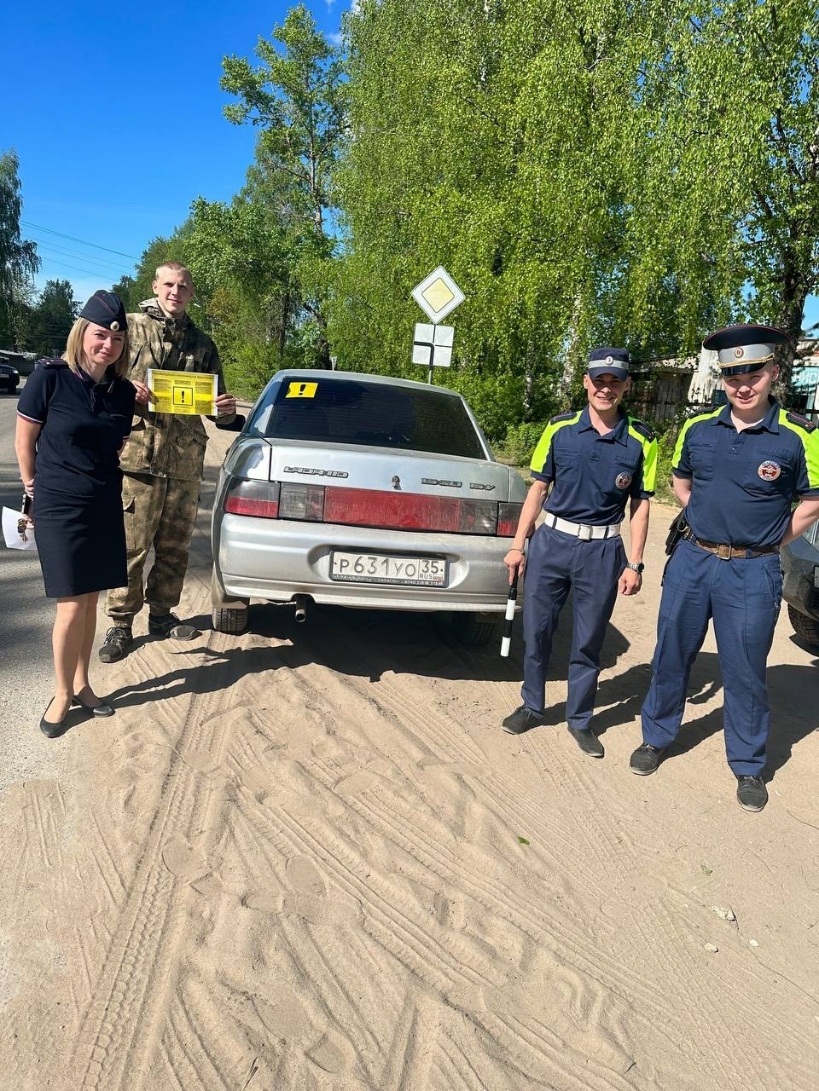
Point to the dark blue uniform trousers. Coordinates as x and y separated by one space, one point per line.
743 598
555 563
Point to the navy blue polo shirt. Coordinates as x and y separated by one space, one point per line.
84 425
594 476
744 483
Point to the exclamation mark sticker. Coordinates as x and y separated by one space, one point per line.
302 390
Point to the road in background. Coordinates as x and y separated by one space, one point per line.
26 618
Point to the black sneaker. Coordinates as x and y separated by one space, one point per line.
522 719
646 759
117 644
588 742
166 625
752 795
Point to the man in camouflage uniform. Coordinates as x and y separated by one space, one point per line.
162 464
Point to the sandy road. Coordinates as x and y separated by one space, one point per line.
307 857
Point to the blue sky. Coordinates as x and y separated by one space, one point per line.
116 116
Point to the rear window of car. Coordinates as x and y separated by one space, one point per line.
374 414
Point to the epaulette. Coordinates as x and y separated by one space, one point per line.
642 428
570 415
797 418
51 362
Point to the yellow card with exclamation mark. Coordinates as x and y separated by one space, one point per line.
301 390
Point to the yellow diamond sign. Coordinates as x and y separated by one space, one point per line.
437 295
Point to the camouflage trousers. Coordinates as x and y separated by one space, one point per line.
160 512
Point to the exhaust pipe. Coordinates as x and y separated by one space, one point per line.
300 602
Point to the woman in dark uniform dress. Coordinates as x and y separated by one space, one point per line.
72 419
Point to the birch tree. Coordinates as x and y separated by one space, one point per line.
18 257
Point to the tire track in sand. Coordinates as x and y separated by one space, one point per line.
120 1030
672 961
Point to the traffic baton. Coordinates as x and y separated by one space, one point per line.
510 616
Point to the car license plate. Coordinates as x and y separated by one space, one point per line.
383 568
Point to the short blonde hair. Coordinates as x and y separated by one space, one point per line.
75 357
175 267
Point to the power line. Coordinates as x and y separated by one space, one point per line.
79 269
73 238
50 248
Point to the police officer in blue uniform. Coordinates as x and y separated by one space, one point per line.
736 471
588 466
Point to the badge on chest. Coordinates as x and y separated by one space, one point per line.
769 470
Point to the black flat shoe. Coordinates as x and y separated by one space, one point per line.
51 730
102 709
588 742
522 719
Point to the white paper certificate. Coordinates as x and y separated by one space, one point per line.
18 533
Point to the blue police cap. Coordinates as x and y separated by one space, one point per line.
744 348
105 309
608 361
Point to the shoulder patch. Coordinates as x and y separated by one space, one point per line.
703 415
570 415
642 428
800 421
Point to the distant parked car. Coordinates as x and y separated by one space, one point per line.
363 491
9 378
800 563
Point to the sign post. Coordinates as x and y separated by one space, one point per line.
437 295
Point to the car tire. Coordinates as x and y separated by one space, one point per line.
233 620
806 628
228 615
476 629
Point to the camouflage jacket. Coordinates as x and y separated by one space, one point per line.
167 444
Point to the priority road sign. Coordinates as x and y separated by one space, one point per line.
437 295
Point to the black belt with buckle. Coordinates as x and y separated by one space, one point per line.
733 553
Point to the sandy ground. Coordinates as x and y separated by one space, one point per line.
308 858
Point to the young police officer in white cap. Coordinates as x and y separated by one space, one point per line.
596 461
736 470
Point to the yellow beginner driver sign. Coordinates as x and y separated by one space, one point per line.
190 392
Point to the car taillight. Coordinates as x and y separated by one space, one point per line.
372 508
508 516
409 511
259 498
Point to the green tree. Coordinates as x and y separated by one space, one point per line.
126 289
18 257
587 172
730 190
49 321
296 96
487 138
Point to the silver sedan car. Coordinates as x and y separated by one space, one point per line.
363 491
800 588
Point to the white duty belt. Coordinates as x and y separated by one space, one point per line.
580 530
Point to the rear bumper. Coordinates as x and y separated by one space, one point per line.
274 560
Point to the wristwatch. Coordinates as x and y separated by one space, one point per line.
635 567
